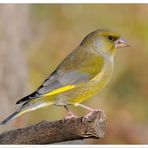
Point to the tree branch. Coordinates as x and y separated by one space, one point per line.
58 131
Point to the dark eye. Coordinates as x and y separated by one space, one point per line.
111 38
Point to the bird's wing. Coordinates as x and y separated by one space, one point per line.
79 67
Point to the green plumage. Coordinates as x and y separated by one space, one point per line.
83 73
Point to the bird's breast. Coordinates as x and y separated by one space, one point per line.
106 72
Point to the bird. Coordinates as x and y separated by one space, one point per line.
81 75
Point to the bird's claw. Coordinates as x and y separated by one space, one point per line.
70 116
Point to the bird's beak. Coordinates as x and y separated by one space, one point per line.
120 43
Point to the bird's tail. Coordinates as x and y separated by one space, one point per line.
13 115
26 107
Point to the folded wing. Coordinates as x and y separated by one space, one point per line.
79 67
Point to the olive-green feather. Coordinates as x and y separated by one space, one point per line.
83 73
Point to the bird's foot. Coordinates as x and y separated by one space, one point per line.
87 117
70 116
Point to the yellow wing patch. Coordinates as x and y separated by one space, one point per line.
60 90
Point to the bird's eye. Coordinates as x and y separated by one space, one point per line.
111 38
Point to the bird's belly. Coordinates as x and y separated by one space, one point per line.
85 91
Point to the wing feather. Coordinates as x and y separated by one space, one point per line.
73 71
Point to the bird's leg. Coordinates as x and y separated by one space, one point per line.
88 108
89 114
70 113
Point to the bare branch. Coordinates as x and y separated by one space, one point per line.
58 131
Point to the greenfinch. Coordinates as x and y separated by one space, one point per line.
83 73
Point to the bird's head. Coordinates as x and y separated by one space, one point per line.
105 41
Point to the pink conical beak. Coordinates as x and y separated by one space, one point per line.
121 42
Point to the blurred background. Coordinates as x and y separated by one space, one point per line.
35 38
